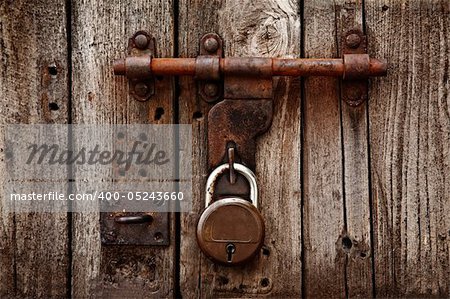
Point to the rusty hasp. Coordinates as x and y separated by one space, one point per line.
244 84
230 231
235 122
238 121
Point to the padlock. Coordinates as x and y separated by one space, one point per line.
230 230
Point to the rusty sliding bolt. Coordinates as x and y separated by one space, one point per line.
351 66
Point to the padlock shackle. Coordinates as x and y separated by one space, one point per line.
245 171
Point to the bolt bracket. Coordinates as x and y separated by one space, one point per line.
354 87
244 77
141 49
211 49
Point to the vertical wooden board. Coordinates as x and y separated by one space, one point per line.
324 223
33 89
195 19
359 270
264 28
410 142
100 33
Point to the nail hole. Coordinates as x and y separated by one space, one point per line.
347 243
150 219
384 7
8 154
159 113
142 172
152 266
265 251
264 282
53 106
52 70
158 237
197 115
363 255
222 280
143 137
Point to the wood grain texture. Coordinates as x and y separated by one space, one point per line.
32 39
354 122
325 252
337 201
249 28
100 33
410 142
408 118
195 19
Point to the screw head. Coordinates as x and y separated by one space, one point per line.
353 40
141 41
141 89
211 89
211 44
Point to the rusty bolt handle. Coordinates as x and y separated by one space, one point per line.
137 219
351 66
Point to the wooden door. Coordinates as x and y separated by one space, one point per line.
356 201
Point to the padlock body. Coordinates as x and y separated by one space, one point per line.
234 221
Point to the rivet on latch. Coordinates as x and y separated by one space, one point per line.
141 89
353 41
211 89
211 44
141 41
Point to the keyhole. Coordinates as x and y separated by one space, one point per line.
230 251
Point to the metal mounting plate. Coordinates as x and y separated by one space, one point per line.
211 46
141 46
153 232
354 91
130 228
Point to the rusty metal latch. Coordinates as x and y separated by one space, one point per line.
354 66
351 66
241 89
243 78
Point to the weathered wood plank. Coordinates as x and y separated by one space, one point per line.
324 256
324 225
100 34
356 172
410 141
336 166
33 89
264 28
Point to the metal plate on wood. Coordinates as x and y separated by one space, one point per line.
354 91
211 46
238 87
239 121
134 228
141 46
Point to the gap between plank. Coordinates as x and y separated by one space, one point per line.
68 4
